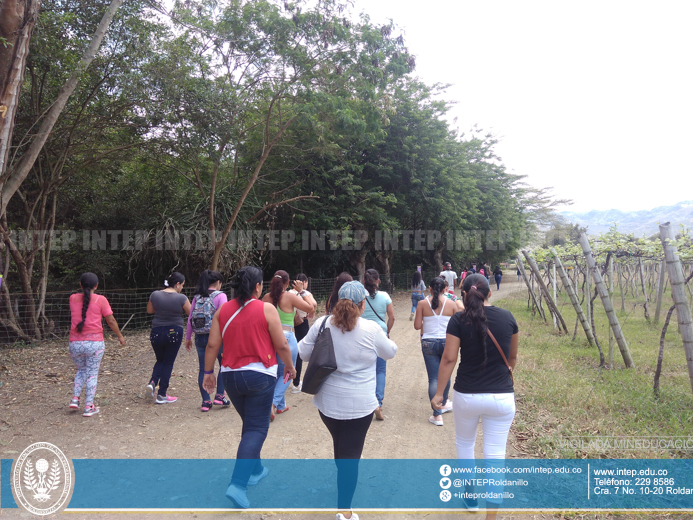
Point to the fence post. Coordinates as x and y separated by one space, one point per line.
660 289
611 295
573 298
549 301
521 268
644 289
606 301
678 293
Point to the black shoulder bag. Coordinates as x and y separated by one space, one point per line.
322 361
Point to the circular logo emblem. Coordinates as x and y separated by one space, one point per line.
445 483
445 470
42 479
445 495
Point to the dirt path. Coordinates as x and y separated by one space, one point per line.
36 387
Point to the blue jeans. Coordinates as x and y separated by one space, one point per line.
281 387
201 346
415 299
498 281
166 343
380 369
251 394
432 350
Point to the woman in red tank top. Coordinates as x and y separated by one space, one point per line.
249 370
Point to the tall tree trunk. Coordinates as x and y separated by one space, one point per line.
17 20
12 178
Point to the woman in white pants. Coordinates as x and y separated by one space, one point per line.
483 386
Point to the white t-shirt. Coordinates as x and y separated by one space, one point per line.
301 314
349 392
450 276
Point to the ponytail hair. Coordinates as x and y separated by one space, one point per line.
334 295
370 279
88 281
174 278
244 283
437 286
416 280
279 280
302 278
476 290
207 278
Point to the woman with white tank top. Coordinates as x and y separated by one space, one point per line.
432 317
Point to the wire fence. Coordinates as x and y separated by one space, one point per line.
129 308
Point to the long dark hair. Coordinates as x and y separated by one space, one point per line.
476 290
243 284
207 278
88 281
437 286
334 295
277 286
416 280
370 279
174 278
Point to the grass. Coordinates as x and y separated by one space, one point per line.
562 392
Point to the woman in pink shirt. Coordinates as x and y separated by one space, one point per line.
86 339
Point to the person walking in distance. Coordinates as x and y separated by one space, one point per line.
286 304
498 276
449 276
207 300
301 324
86 339
252 336
168 306
378 305
485 338
346 399
417 292
432 317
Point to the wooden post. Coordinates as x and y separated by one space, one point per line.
588 294
606 302
521 268
620 288
660 289
611 295
644 290
567 284
553 283
549 301
678 293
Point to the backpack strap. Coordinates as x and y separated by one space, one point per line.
232 317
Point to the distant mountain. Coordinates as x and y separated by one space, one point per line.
643 222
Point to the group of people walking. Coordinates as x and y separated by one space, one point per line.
261 341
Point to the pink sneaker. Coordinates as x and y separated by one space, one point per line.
165 399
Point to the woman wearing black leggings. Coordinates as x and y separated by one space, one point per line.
346 400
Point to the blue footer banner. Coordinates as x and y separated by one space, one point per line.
298 484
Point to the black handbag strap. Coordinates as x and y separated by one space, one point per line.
374 312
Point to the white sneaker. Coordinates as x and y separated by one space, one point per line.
354 516
411 316
297 389
447 408
436 419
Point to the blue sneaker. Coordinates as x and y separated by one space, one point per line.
254 479
238 496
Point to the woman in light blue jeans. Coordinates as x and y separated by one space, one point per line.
417 292
432 317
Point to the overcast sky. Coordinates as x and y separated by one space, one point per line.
582 95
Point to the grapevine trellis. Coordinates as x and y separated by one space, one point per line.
642 269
